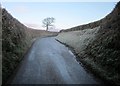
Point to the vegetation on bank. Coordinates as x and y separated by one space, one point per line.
16 39
102 54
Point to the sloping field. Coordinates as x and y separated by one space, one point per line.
78 39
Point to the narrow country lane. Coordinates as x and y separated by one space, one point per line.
49 62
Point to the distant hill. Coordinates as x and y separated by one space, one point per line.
16 39
97 45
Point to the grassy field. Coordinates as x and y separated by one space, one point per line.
78 39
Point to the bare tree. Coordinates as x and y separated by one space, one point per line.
48 22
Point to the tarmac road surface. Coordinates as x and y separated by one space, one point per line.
50 62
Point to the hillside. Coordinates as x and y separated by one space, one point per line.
97 45
16 39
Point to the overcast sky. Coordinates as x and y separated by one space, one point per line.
67 14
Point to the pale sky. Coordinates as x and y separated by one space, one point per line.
67 14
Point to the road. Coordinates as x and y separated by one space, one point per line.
50 62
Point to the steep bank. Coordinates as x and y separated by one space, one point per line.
16 39
99 48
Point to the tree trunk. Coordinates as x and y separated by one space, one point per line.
47 28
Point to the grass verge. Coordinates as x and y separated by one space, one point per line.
91 66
